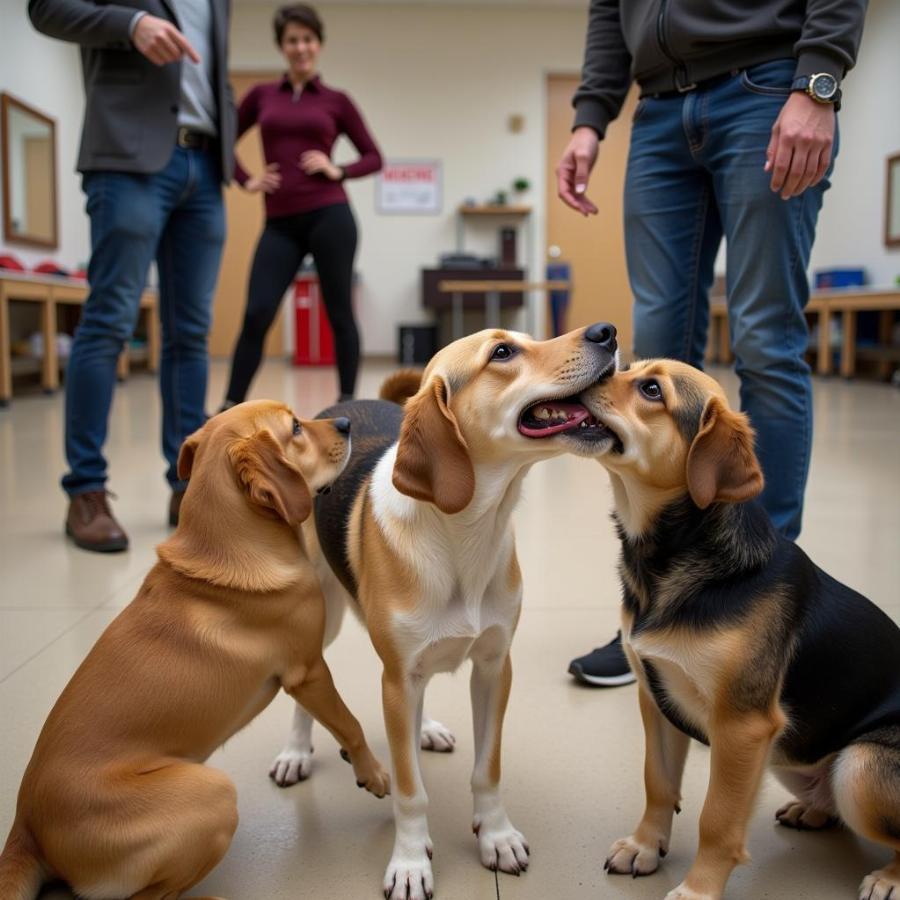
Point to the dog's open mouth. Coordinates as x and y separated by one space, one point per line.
550 417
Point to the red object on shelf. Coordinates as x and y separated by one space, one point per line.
11 263
48 267
313 339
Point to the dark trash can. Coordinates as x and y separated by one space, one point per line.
416 344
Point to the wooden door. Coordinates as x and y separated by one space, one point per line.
593 246
245 219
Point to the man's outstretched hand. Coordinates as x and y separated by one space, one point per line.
574 170
161 42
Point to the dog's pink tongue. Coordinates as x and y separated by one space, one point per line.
550 413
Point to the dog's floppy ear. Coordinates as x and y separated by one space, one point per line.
269 479
187 454
721 464
433 462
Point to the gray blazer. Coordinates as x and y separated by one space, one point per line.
131 111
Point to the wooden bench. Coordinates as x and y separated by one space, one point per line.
51 292
492 291
824 304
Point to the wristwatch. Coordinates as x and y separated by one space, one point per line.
823 88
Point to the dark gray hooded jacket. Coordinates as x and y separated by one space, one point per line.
667 44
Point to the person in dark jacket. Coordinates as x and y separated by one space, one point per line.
307 211
155 149
734 135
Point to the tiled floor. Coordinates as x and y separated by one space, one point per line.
572 767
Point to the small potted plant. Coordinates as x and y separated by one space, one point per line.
520 186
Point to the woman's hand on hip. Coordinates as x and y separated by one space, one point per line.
268 182
315 162
574 170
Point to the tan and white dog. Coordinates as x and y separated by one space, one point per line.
417 531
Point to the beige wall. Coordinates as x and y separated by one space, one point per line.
433 82
46 74
851 226
440 81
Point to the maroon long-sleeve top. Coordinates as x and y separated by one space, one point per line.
293 122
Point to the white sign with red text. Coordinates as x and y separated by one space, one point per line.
409 186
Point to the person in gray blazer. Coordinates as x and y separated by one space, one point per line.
156 147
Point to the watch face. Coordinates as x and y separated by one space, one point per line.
824 86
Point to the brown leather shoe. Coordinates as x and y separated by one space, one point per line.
175 507
91 524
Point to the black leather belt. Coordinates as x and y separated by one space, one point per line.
695 86
195 140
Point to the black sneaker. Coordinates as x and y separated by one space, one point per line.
604 667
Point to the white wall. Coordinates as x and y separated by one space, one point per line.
437 81
851 225
433 82
46 74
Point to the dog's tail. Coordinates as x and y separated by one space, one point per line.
400 386
21 869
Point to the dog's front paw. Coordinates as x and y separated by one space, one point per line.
370 774
436 737
883 884
683 892
502 848
291 766
797 814
629 856
408 875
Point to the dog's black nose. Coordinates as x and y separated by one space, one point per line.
342 424
602 333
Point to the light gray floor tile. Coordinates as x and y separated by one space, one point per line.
572 756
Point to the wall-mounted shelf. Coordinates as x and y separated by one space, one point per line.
494 210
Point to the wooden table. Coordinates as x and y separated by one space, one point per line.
847 303
492 291
50 292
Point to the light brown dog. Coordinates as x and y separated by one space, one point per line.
737 639
116 800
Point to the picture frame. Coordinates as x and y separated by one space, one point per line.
30 206
892 202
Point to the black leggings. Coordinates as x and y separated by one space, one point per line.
330 235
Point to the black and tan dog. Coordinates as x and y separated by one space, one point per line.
737 638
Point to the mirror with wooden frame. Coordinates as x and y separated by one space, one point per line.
892 202
29 174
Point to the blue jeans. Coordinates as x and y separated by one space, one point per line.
177 216
695 173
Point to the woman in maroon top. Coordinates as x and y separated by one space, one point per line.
307 210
